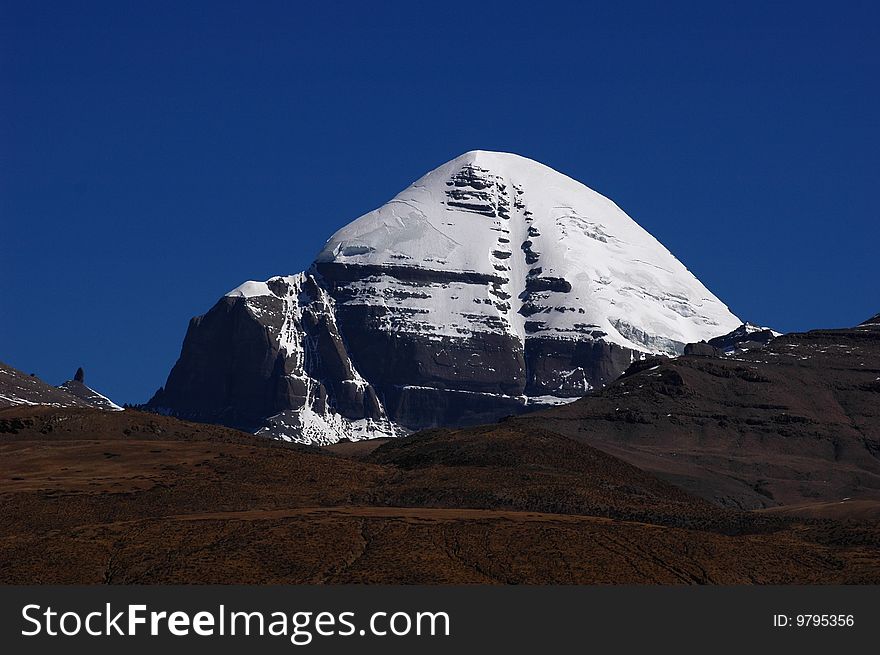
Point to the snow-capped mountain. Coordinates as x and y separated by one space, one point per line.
491 283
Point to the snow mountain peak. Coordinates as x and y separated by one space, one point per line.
557 258
490 284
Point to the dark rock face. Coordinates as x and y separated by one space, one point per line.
487 362
255 362
251 358
745 337
425 380
228 369
235 368
573 368
702 349
417 408
79 376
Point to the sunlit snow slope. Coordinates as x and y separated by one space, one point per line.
560 259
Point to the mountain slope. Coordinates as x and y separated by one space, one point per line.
128 497
490 285
77 387
499 467
17 388
794 421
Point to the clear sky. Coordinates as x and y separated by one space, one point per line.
154 155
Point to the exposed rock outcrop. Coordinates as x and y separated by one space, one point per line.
745 337
702 349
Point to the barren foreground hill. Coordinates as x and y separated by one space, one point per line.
115 497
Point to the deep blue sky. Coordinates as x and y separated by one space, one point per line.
155 155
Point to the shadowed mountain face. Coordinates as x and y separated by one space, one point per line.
796 421
92 496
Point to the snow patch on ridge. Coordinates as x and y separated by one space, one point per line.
250 289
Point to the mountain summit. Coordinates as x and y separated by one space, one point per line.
490 284
556 257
